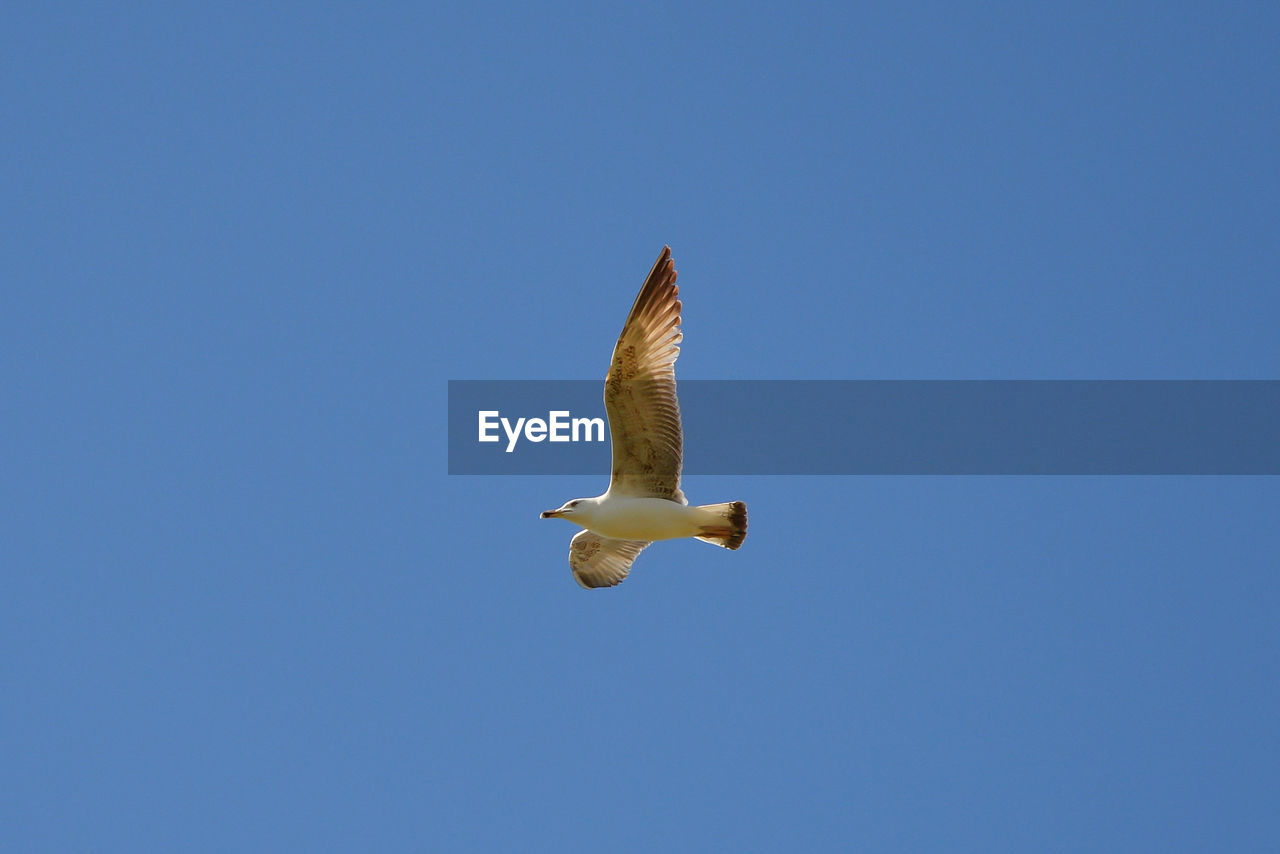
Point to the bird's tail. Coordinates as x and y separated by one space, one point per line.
729 527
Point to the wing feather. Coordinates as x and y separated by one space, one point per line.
600 561
640 391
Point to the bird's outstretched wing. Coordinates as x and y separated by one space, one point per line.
601 562
640 391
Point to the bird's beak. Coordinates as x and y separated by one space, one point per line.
552 514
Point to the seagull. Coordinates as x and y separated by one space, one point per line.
644 502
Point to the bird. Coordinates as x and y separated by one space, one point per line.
644 501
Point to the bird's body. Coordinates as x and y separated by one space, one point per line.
644 501
625 517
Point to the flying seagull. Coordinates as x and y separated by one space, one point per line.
643 502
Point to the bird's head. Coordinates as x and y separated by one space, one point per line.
570 509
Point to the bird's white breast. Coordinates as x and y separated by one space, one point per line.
627 518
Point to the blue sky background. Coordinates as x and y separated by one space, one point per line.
243 248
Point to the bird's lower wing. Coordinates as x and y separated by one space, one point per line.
602 562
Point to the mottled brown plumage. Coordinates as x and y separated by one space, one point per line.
599 561
640 391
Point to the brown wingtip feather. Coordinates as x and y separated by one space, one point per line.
659 294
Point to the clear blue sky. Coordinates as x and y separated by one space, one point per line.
243 248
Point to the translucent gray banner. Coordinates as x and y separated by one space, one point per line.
811 427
